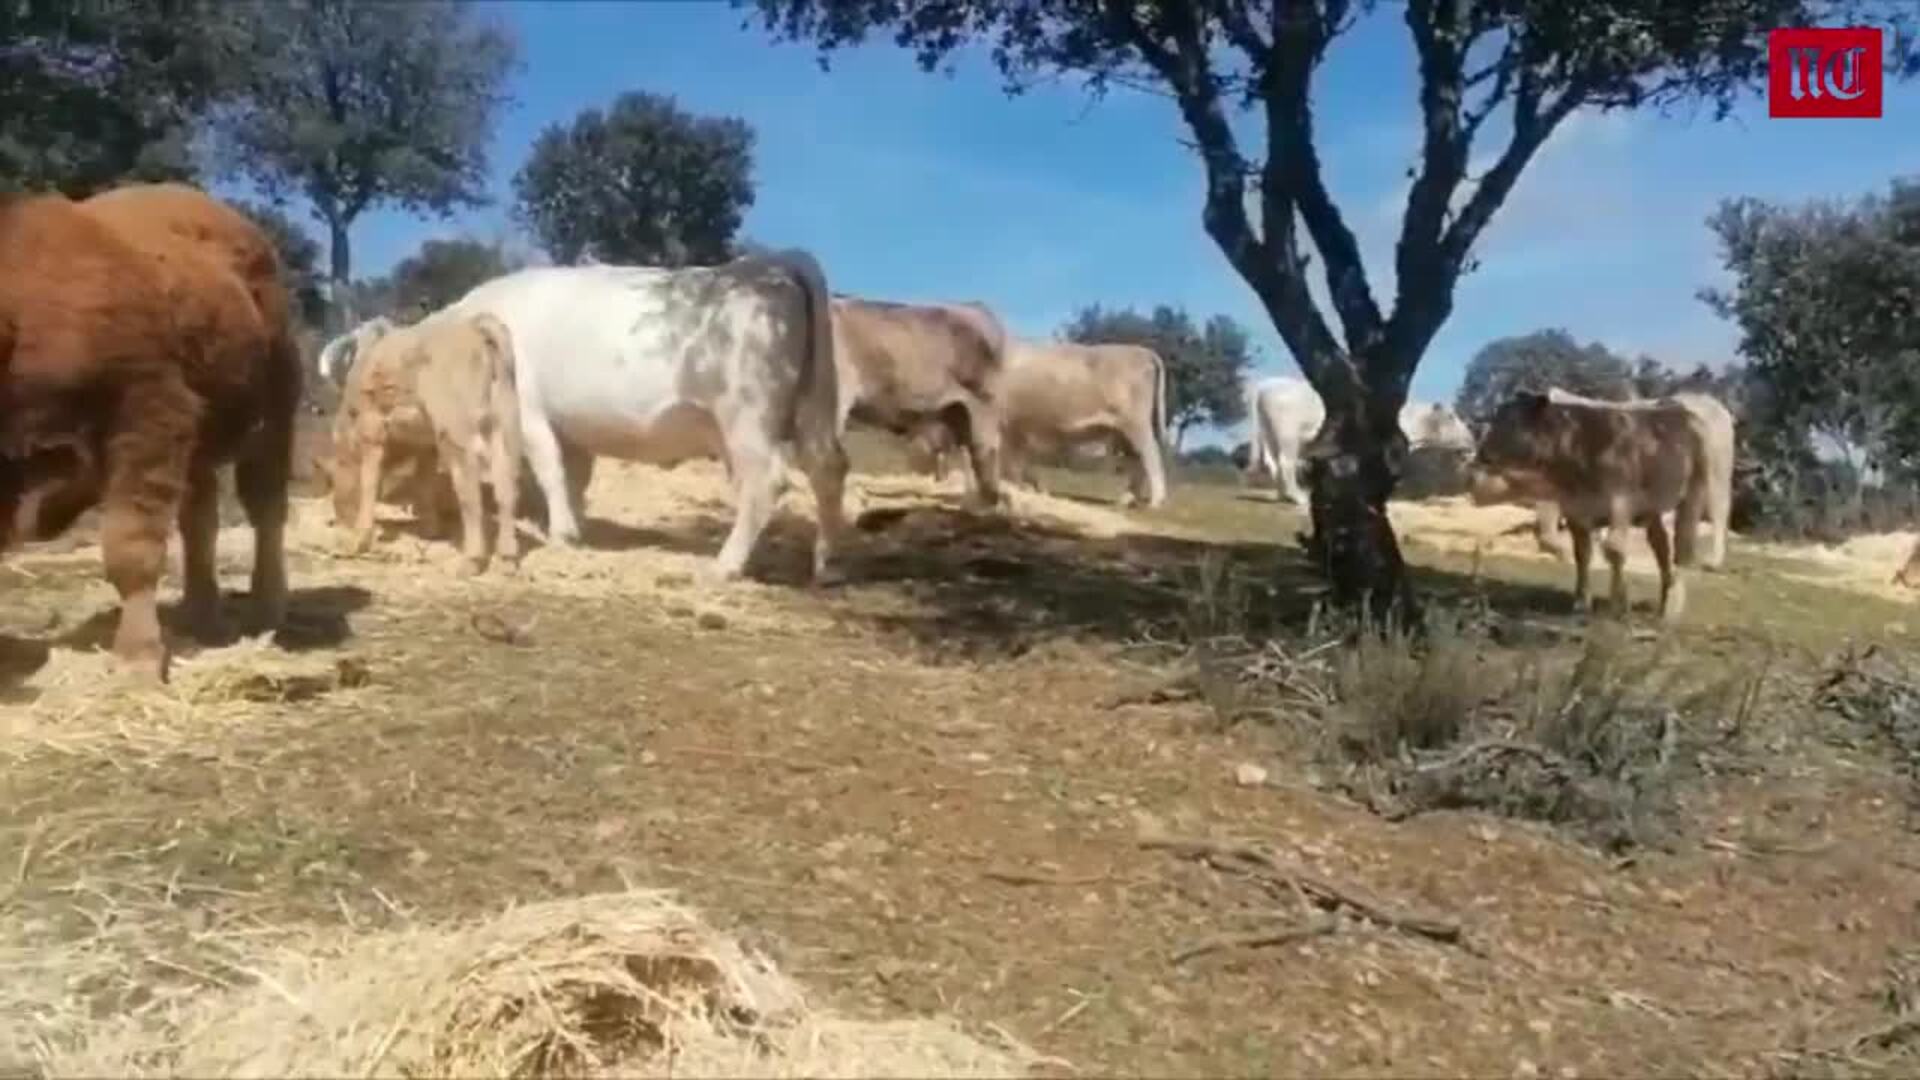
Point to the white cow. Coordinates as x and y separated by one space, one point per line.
1718 455
732 361
1285 412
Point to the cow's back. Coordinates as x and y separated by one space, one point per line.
906 354
1066 385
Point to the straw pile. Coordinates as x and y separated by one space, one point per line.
628 984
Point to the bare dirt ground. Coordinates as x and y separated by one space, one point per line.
926 792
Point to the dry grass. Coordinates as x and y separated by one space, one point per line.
922 794
625 984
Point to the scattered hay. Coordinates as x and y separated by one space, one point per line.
625 984
80 703
1867 563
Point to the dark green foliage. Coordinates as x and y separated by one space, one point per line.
643 183
356 105
1205 365
97 93
441 272
1534 362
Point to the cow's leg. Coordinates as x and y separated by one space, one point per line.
262 478
578 465
757 465
1546 524
826 468
543 457
1673 594
1149 481
1286 467
1614 546
504 460
199 534
982 436
1582 564
1719 511
465 474
373 453
146 480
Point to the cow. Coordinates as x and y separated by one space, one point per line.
1603 466
1719 455
905 368
146 340
442 394
336 356
1101 400
1286 412
735 361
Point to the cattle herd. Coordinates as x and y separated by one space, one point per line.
146 339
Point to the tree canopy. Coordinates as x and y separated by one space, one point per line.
644 182
1531 63
98 93
355 105
441 272
1204 364
1534 362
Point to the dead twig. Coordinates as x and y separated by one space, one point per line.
1022 877
1251 861
1263 939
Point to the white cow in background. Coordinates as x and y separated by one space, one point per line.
734 362
1286 411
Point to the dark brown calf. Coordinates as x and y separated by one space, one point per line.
144 341
1605 467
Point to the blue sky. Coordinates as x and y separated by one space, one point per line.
912 186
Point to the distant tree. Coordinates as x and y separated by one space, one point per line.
643 183
299 259
357 105
1534 362
442 271
1204 365
1527 65
1826 297
93 94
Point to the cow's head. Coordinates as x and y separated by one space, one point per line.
1525 434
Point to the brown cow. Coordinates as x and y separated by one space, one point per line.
1103 400
904 366
440 392
144 341
1606 467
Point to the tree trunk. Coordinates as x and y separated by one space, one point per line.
340 254
1353 464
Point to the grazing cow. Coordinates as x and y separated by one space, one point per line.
1097 399
441 393
1286 412
1719 460
1607 467
734 361
145 340
336 356
907 368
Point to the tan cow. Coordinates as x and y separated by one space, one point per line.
1607 467
1098 399
905 367
1719 450
441 393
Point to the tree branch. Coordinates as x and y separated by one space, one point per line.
1293 173
1424 286
1533 124
1272 265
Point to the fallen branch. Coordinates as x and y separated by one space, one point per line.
1251 861
1264 939
1021 877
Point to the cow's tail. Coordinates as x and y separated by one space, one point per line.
1159 400
1696 500
815 427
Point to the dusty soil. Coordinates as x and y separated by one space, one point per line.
924 792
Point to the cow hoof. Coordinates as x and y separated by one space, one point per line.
711 576
143 664
471 567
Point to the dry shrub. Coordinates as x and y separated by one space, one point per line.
1877 694
1396 692
627 984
